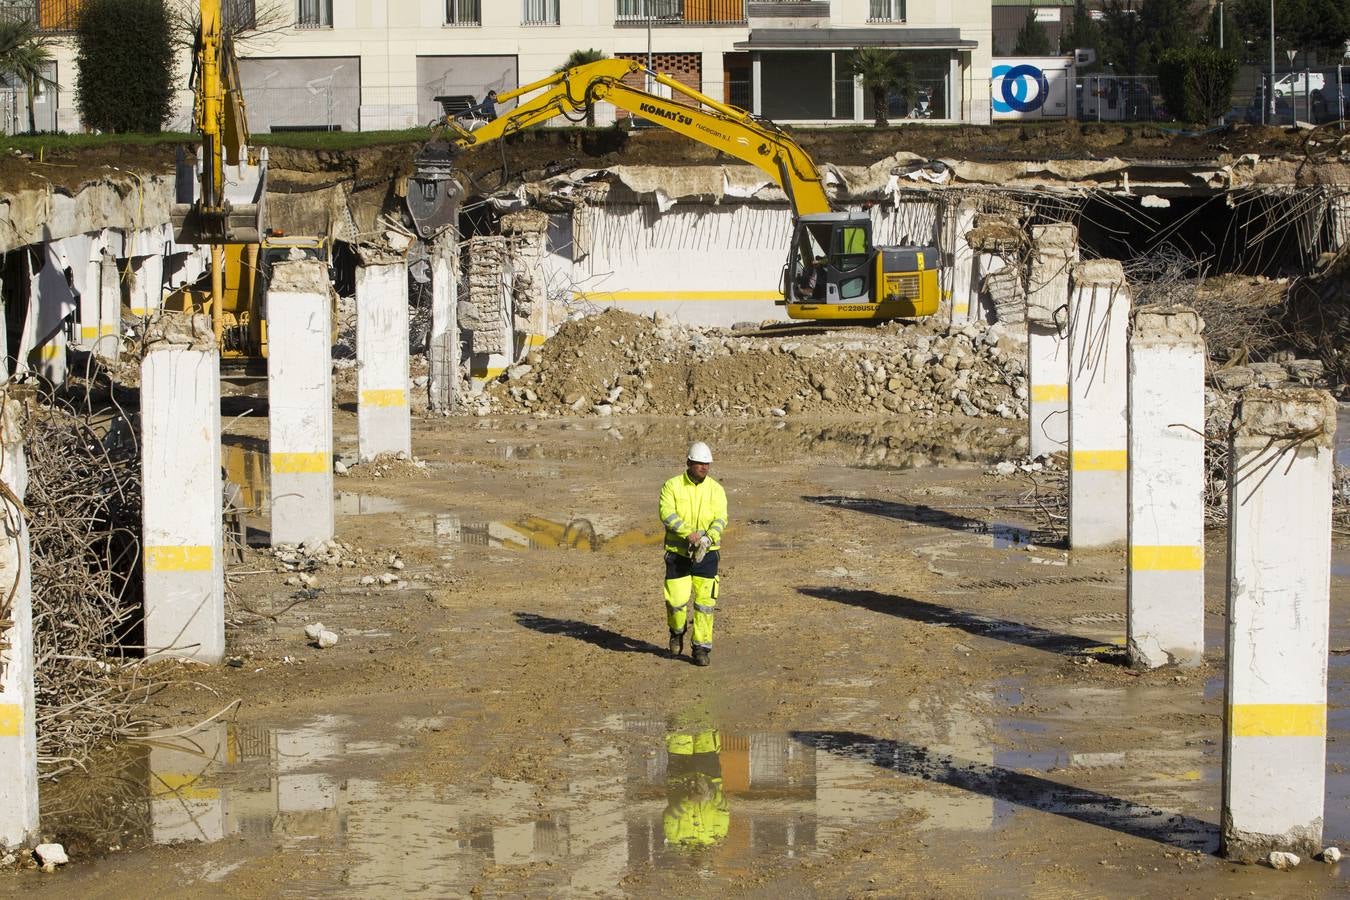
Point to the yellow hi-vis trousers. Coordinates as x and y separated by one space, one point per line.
688 581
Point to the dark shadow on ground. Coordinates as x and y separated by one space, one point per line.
938 518
591 634
971 623
1030 791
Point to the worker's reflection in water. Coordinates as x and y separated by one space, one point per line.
697 814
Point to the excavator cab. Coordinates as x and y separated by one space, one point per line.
835 272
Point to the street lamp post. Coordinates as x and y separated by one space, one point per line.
1272 61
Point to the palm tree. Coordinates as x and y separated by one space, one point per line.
580 58
881 71
23 57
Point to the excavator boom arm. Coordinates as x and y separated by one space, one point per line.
717 125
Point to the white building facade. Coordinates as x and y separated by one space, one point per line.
372 65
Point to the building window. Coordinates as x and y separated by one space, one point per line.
314 14
642 10
463 12
239 15
540 12
887 11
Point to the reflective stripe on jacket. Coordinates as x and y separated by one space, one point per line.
686 507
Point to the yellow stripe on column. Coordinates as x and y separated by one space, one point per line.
179 559
184 785
1098 460
48 352
1049 393
960 308
1278 719
88 331
11 719
393 397
300 463
535 340
107 330
1167 558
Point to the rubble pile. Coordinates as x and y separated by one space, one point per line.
615 362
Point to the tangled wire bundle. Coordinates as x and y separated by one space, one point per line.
84 519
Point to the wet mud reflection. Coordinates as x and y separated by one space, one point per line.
1031 791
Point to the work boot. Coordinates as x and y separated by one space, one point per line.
702 656
676 643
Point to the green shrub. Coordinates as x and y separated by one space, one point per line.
1197 82
124 50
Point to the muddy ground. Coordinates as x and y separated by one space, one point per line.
544 151
917 692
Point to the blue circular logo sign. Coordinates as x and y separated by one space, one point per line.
1016 88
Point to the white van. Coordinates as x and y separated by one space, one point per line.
1296 83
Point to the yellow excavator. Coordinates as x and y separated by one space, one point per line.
221 201
833 270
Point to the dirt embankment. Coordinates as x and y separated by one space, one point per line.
548 150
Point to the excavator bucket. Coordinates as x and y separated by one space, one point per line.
237 216
433 191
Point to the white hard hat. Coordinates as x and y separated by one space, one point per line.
699 452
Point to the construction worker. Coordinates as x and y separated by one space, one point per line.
693 510
697 813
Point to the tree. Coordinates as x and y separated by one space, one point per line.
1317 29
1122 38
1168 25
882 73
124 50
580 58
1197 82
24 56
1032 39
1083 32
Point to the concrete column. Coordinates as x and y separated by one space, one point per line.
108 342
1279 590
489 306
443 352
50 357
964 298
1166 568
147 284
300 402
528 231
1054 250
18 733
1099 312
384 423
181 490
91 296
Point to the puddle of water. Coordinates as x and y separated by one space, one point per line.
660 796
534 533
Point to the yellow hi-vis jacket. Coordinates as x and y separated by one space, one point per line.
687 507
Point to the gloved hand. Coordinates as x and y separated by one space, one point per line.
701 549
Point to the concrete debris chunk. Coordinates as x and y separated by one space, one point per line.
312 631
1330 855
1282 861
50 856
326 639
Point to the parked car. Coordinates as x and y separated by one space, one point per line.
1295 83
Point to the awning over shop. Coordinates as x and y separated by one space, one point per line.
852 38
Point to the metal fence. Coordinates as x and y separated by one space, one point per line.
1119 98
1313 96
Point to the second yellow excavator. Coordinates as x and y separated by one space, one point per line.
833 269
